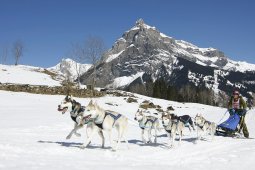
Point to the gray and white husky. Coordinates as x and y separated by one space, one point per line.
204 127
76 113
106 120
172 126
147 123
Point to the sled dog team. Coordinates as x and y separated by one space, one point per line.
98 120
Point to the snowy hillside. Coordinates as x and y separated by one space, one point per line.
22 74
33 137
53 76
70 68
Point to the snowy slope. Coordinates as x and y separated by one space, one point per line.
22 74
33 137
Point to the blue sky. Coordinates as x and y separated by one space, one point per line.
48 27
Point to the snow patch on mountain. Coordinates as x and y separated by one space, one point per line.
70 69
113 56
240 66
124 80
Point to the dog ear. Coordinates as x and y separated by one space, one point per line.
95 103
66 98
91 102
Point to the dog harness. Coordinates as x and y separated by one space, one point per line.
149 119
206 122
169 126
166 129
81 110
115 118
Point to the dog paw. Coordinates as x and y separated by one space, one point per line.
78 134
82 147
170 146
68 137
113 150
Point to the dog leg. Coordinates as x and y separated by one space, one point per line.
191 123
180 138
190 129
88 140
169 139
142 134
100 132
213 132
76 127
204 132
89 130
110 139
77 134
198 134
149 135
173 134
78 119
124 132
155 139
120 133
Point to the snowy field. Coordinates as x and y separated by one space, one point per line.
33 137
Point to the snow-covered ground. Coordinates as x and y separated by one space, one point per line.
33 137
22 74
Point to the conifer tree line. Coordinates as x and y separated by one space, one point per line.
182 93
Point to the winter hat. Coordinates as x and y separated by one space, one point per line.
235 92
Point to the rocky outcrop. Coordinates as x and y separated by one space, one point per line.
57 90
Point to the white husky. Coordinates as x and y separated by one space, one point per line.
106 120
147 123
204 127
172 126
76 112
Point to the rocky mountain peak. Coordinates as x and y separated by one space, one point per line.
139 22
144 50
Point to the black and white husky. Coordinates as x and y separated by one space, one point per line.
172 127
77 112
147 123
186 119
204 127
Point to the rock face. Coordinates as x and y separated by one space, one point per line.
143 54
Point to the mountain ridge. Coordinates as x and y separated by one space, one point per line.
144 49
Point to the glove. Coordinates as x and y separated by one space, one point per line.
231 111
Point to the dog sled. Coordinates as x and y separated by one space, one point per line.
229 127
